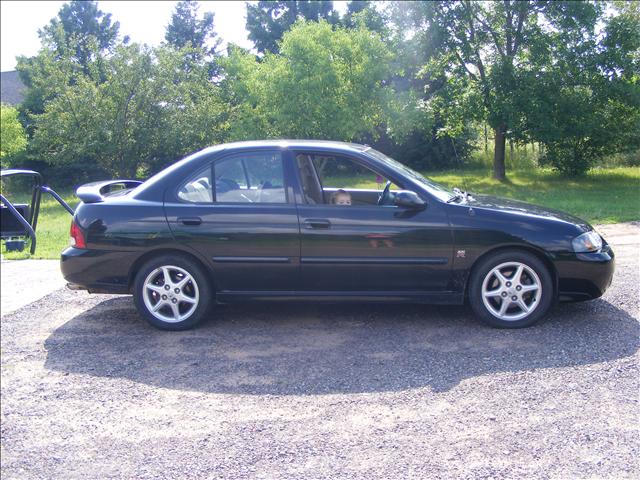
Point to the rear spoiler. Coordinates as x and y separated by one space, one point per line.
97 191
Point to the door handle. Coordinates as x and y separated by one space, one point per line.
317 223
190 220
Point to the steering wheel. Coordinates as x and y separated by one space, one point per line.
385 194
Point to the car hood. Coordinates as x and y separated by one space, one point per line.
515 206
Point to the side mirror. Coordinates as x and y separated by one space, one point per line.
409 200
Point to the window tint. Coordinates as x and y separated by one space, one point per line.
324 177
198 189
231 171
250 178
340 172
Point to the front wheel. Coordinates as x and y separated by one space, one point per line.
172 292
511 289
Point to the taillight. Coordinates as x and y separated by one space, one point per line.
77 237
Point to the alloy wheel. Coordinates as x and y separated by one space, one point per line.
170 294
511 291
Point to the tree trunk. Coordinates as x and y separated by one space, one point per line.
498 153
486 139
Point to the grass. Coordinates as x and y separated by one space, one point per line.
52 231
606 195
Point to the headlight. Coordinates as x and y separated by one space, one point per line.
587 242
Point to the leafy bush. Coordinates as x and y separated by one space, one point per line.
12 136
569 159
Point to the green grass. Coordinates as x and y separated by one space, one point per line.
52 231
606 195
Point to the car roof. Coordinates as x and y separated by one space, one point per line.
286 143
150 190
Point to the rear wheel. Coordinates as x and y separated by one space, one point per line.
172 292
511 289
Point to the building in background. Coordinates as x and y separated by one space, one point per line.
11 88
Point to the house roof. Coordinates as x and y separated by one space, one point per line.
11 88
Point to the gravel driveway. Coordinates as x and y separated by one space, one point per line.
324 391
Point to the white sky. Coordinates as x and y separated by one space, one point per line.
143 21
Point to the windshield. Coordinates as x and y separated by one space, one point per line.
432 187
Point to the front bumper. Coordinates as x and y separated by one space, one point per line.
584 276
98 271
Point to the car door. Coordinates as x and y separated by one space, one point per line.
364 247
238 212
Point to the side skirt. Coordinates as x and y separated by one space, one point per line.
436 298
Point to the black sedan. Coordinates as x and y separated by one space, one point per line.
316 220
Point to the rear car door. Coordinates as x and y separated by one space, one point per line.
365 247
239 213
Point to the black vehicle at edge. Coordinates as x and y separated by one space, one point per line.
253 221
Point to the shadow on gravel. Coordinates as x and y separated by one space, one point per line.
314 349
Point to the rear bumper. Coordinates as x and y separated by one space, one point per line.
585 276
98 271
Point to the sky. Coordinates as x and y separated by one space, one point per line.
143 21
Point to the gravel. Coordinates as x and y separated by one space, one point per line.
324 391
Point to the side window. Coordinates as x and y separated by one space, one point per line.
340 172
338 180
250 178
198 189
230 172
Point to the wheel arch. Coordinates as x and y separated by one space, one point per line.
541 255
140 261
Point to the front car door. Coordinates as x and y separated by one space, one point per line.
365 248
238 211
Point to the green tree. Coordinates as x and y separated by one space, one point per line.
145 114
325 83
97 123
80 36
83 28
187 30
267 21
194 112
12 136
587 105
482 50
365 12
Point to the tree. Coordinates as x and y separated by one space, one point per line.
81 36
325 83
144 115
98 123
187 30
267 21
194 112
12 136
365 12
482 49
84 29
588 105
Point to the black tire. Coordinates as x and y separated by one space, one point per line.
176 264
541 301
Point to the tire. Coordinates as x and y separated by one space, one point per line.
500 299
189 291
